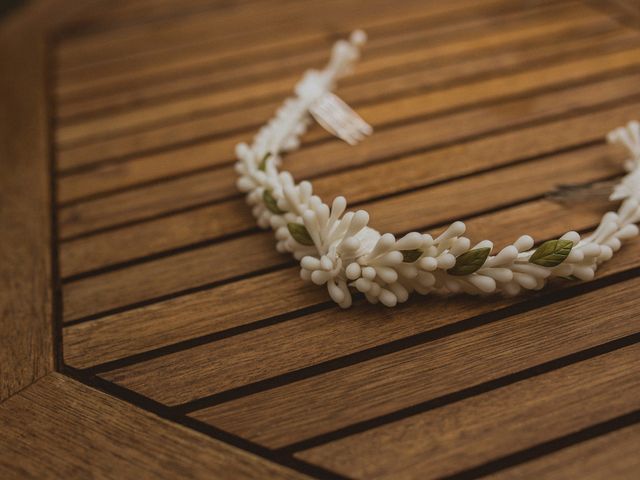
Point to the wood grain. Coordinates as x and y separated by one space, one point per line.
142 329
60 428
247 25
163 379
431 206
225 218
218 183
610 456
627 12
160 85
174 301
239 86
199 65
348 395
138 205
465 434
26 344
250 117
439 69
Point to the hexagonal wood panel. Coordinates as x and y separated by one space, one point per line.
186 346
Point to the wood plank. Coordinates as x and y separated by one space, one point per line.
430 206
210 222
191 289
117 14
26 338
219 183
610 456
499 422
164 378
193 294
282 347
188 317
448 95
627 12
192 71
60 428
97 79
248 24
410 49
180 110
207 153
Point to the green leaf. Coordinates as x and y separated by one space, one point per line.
572 278
271 203
470 261
551 253
300 233
263 162
410 256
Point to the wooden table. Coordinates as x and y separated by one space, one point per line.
150 330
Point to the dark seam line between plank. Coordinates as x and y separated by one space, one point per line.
392 28
622 17
276 97
389 158
245 81
434 146
204 428
256 230
326 39
464 394
181 293
91 166
319 141
209 338
150 183
76 31
495 168
151 218
56 283
163 411
405 121
290 262
381 74
222 334
88 167
551 446
200 114
187 344
283 456
202 44
576 113
534 302
74 98
585 31
253 230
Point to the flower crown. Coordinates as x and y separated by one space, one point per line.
338 249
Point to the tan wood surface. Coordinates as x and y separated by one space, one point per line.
187 347
109 338
108 438
588 460
433 206
26 330
491 425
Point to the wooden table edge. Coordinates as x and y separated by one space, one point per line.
30 353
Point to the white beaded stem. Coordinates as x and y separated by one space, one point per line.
342 252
